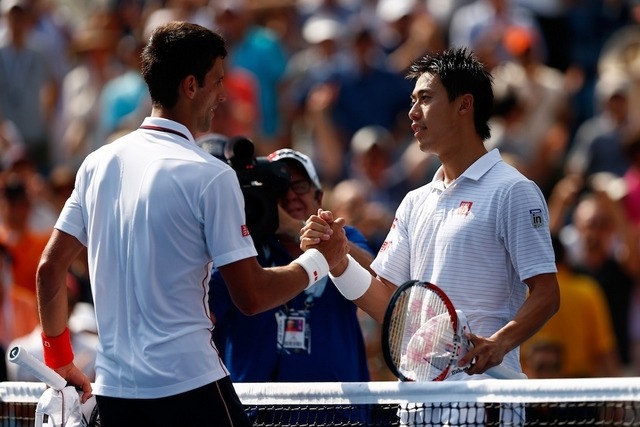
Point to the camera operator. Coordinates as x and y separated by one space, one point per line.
314 337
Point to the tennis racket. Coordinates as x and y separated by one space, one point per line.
423 335
48 402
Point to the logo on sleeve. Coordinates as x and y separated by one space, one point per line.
245 230
536 217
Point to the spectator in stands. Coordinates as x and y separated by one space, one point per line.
11 144
328 344
42 215
480 25
321 61
582 325
339 10
631 179
598 145
95 63
631 203
23 243
123 100
539 135
375 162
28 94
407 31
601 244
348 199
334 109
18 309
464 230
258 50
598 25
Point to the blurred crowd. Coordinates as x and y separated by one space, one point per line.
326 77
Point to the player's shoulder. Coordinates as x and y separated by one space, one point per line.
504 179
506 172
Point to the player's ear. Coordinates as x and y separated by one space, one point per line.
466 103
318 196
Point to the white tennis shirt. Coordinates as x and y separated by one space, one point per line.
477 239
155 211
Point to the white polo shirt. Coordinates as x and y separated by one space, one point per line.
155 211
477 239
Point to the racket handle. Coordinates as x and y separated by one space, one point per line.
41 371
501 372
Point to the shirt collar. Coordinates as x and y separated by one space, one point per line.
475 171
168 124
482 165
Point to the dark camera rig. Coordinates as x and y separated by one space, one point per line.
262 183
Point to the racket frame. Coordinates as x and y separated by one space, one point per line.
391 320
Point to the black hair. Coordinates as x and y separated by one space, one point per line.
175 51
461 72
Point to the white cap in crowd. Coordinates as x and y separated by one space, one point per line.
303 159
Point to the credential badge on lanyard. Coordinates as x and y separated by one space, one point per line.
294 329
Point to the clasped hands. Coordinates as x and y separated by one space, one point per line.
326 233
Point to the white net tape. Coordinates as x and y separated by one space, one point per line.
484 402
498 391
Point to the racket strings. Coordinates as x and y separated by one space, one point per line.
427 344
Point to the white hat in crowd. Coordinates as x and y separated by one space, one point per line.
303 159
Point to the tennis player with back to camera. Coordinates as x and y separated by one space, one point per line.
479 230
155 211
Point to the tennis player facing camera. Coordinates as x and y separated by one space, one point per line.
155 212
479 230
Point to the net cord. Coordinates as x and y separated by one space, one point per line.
391 392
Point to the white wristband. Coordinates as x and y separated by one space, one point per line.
354 281
314 263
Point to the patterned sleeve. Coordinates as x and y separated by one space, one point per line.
393 261
523 225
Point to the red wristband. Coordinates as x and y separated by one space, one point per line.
57 350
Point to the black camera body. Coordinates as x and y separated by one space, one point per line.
262 183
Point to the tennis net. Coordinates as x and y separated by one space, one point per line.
562 402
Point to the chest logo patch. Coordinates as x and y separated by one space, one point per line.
536 218
464 208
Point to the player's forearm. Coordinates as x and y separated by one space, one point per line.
52 298
254 289
51 281
543 302
375 301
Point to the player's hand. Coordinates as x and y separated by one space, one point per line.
484 354
326 234
76 377
316 229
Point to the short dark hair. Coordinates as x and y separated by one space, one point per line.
461 72
174 51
